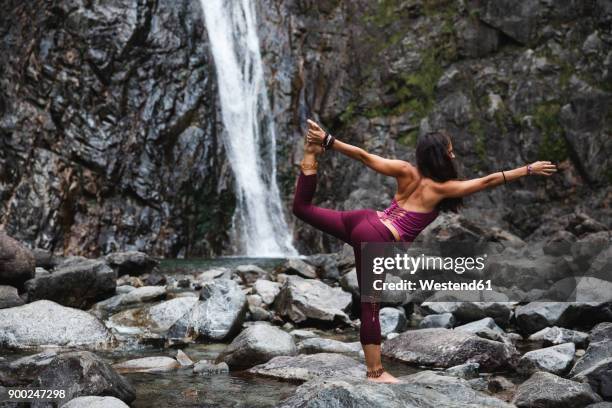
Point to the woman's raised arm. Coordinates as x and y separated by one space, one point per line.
462 188
388 167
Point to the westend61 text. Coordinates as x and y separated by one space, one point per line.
429 284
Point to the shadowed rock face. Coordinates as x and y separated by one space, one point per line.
17 263
108 125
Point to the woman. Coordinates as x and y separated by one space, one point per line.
422 192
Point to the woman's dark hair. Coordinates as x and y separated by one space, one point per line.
434 162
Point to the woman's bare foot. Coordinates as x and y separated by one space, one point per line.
385 378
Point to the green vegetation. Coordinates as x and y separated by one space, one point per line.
553 146
409 138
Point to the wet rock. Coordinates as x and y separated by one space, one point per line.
95 402
392 320
470 311
256 345
250 273
208 367
9 297
446 348
425 389
136 296
558 335
465 371
44 323
78 285
600 348
306 367
320 345
183 359
82 373
555 359
535 316
309 299
24 370
442 320
267 290
132 263
548 390
217 316
214 273
158 364
17 263
296 266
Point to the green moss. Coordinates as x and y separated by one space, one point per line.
553 146
409 138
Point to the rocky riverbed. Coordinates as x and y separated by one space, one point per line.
129 329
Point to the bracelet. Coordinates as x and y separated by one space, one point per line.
309 166
328 141
504 176
529 170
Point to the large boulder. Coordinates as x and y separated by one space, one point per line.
422 390
267 290
82 373
77 285
598 376
535 316
600 348
559 335
153 364
9 297
392 320
44 323
257 344
471 311
306 367
548 390
133 263
445 348
17 263
443 320
309 299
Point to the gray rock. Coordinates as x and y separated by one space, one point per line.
95 402
600 405
499 383
133 297
302 299
295 266
9 297
82 373
515 19
442 320
465 371
217 316
306 367
479 325
44 323
586 249
257 344
600 348
250 273
302 334
555 359
326 266
535 316
350 284
548 390
267 290
445 348
320 345
471 311
598 377
559 244
131 263
79 285
214 273
17 263
558 335
392 320
425 389
183 359
155 364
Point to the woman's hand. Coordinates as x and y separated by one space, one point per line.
315 134
543 168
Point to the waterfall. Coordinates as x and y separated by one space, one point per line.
259 226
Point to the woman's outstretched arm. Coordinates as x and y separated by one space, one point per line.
388 167
462 188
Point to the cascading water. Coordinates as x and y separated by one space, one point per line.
250 140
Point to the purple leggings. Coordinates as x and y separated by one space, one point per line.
352 227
